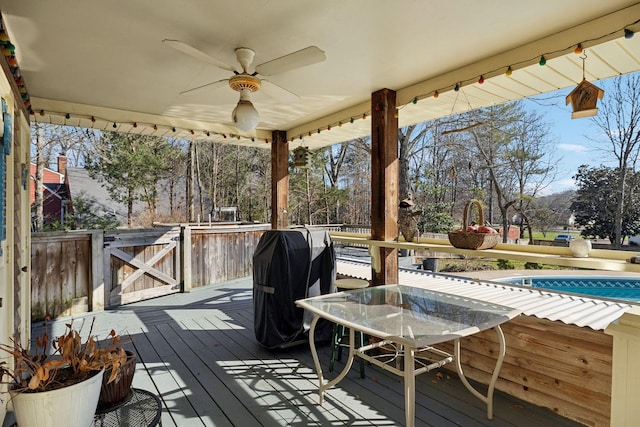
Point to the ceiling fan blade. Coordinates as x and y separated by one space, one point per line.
198 54
278 93
307 56
208 86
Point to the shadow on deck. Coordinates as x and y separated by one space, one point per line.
198 352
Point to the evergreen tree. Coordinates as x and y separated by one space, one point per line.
130 167
594 208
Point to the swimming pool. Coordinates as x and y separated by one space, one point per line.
622 288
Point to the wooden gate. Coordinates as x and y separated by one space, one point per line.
141 265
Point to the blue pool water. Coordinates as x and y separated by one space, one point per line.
622 288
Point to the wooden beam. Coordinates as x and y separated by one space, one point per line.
279 180
384 183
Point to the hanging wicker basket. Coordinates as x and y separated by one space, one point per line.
465 239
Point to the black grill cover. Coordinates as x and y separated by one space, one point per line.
289 265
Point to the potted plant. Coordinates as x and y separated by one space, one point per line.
115 390
67 370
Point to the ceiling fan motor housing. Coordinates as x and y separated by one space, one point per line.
244 81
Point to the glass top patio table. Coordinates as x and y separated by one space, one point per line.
409 315
411 319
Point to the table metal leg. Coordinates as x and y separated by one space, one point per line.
409 386
322 386
488 399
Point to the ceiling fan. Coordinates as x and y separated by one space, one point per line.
245 116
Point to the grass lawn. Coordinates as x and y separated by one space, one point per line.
453 265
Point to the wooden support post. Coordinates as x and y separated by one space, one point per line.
279 180
384 183
99 292
625 376
185 257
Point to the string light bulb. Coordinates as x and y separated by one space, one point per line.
509 71
481 80
628 33
456 87
436 94
578 49
8 49
543 61
114 125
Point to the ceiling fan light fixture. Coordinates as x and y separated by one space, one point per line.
245 116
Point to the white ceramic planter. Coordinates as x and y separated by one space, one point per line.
72 406
580 248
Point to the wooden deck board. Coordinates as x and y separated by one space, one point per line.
198 352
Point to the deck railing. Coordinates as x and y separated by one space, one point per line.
81 271
598 259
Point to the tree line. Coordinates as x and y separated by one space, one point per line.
503 155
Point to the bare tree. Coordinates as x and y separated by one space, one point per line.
50 140
358 181
619 119
408 146
530 157
336 156
513 148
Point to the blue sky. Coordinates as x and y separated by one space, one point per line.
573 137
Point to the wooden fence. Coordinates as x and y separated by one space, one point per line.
76 272
61 273
566 368
81 271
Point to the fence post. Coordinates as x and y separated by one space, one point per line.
97 271
185 250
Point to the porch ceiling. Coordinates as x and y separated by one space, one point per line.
106 59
